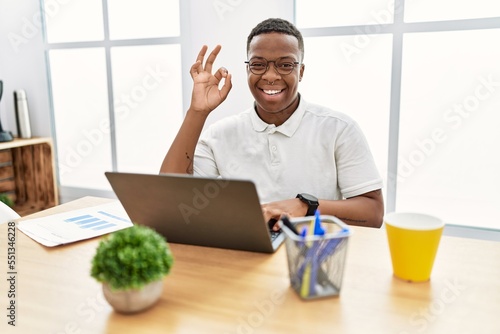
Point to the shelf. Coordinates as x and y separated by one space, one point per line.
27 174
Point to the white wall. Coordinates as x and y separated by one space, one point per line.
22 64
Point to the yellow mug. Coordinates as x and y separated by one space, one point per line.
413 242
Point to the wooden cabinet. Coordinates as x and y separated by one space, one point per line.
27 174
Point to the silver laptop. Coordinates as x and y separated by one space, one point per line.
197 211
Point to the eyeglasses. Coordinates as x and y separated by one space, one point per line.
260 66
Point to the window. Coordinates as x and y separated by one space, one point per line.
115 76
148 110
441 10
339 13
69 22
81 115
449 125
423 80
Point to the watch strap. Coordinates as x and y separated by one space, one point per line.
311 201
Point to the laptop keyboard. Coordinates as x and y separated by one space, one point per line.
274 234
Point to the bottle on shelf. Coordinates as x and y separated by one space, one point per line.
22 114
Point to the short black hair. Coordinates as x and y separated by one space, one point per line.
276 25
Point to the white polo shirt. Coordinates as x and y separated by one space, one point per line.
317 151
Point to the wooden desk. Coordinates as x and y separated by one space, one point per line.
220 291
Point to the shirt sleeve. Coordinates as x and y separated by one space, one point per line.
204 160
356 169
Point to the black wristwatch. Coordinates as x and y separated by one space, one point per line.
311 201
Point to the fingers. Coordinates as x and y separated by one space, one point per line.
274 212
271 212
222 73
201 54
224 91
197 67
211 58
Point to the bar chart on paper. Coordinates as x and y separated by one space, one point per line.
95 223
76 225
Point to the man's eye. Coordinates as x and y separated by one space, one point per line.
286 65
257 65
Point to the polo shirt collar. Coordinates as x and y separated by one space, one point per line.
288 128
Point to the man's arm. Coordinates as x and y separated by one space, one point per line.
206 97
363 210
180 157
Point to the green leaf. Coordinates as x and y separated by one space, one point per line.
131 258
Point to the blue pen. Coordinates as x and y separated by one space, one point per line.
314 258
318 230
332 245
303 233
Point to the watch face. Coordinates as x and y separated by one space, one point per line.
309 197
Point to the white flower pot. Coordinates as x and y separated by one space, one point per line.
131 301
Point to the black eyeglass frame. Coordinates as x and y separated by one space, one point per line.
295 63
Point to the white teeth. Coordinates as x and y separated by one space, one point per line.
272 92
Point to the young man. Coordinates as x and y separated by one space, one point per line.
301 156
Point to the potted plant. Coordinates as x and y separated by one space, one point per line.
131 263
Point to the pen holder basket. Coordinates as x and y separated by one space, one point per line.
316 262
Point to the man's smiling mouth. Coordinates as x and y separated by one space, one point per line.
271 91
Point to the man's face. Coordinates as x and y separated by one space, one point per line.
275 94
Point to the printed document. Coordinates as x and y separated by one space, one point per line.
71 226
